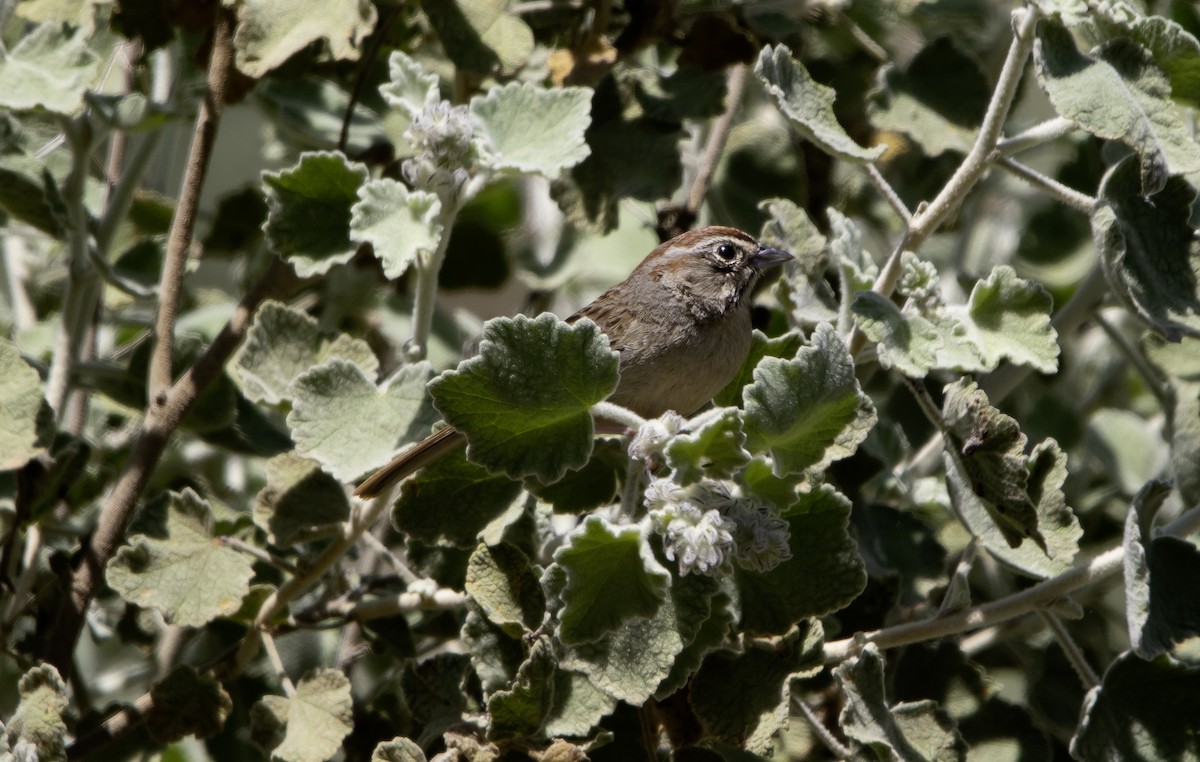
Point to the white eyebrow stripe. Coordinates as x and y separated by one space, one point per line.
681 251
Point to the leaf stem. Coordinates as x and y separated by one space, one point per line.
1068 196
823 734
428 266
1071 649
618 414
268 642
1153 381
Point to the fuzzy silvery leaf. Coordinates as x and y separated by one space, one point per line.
299 502
899 732
592 486
1118 93
435 692
187 703
23 419
630 662
408 88
340 418
520 710
1175 51
713 634
578 705
715 450
742 698
523 402
823 575
180 567
802 290
785 347
855 264
50 68
808 411
1008 318
308 218
612 576
1124 447
310 725
1162 606
398 749
808 105
282 343
1046 467
1153 697
501 580
400 224
990 449
955 350
938 101
1149 250
270 31
904 341
481 36
452 500
37 724
530 129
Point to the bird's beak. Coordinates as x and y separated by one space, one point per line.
765 257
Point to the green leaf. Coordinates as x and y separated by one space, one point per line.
1009 318
715 450
481 35
1149 250
909 732
37 724
500 580
1118 93
990 448
808 105
23 429
734 695
49 68
451 501
299 501
348 425
1056 522
686 93
520 711
1141 711
180 568
523 402
29 192
313 722
308 222
802 290
808 411
400 224
408 88
612 576
398 750
271 31
76 13
784 347
283 343
1175 51
905 341
436 693
712 635
187 703
631 662
578 706
592 486
938 101
531 129
1162 605
823 575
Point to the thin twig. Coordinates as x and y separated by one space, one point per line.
823 734
978 159
179 238
1068 196
162 417
266 557
364 70
1018 604
1046 132
717 137
1152 378
889 193
1071 649
268 642
401 568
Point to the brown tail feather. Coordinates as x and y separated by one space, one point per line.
410 461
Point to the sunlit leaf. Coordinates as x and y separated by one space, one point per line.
308 222
400 224
312 722
271 31
50 68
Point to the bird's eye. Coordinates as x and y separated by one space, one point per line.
726 252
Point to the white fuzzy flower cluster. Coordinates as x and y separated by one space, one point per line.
919 281
654 435
445 135
705 527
